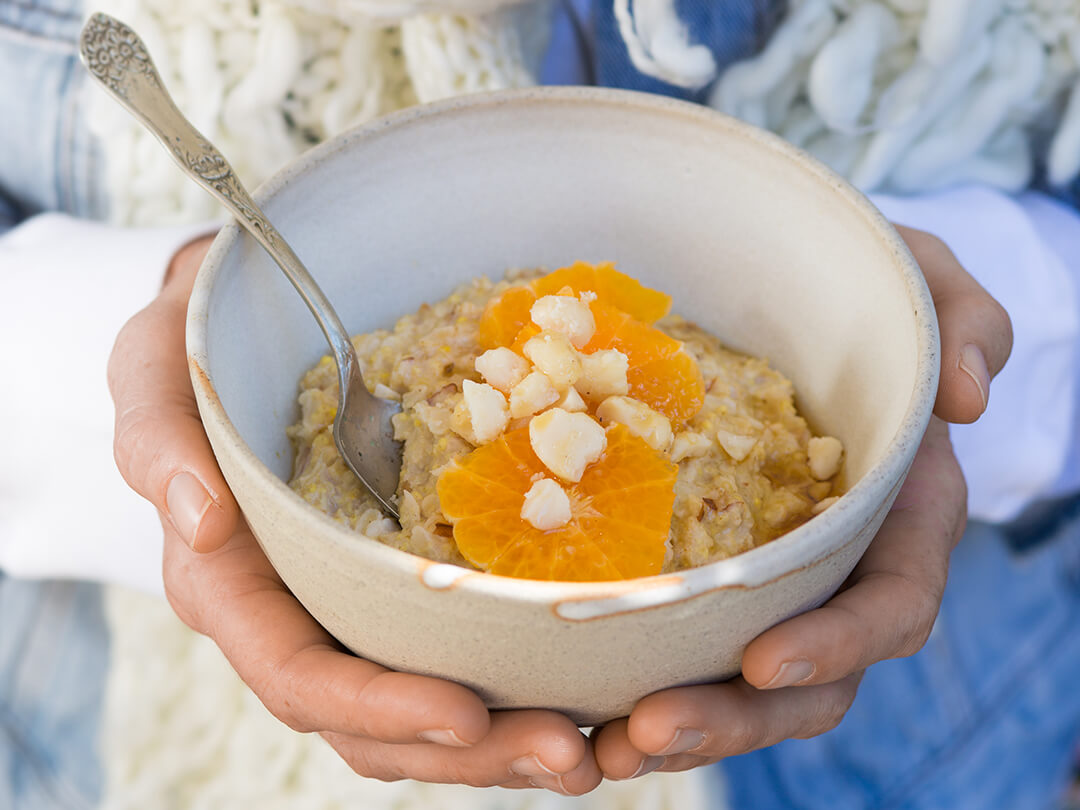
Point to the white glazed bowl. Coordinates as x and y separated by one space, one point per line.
753 239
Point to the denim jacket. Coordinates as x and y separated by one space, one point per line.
48 160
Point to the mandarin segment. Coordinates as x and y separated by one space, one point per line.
661 373
610 286
505 315
621 511
671 385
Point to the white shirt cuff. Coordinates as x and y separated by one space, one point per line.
1019 448
69 286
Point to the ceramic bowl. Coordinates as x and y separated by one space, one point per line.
754 240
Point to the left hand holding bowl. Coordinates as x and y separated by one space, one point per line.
800 677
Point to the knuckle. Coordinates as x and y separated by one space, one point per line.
174 584
128 346
129 439
924 613
1004 330
278 690
914 639
460 772
934 244
137 450
928 248
830 713
739 736
285 713
364 763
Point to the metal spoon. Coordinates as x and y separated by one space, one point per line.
118 59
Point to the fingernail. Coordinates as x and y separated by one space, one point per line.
648 765
552 782
790 673
187 502
684 740
531 766
443 736
973 364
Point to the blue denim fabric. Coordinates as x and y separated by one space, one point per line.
48 159
53 659
985 717
731 29
53 638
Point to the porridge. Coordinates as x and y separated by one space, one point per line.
565 426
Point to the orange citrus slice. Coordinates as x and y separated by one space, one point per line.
504 316
661 373
610 286
620 511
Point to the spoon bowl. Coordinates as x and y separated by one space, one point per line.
363 431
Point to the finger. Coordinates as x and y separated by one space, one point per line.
888 605
159 443
533 747
976 333
296 668
618 758
722 720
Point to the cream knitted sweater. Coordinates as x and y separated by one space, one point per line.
266 79
900 95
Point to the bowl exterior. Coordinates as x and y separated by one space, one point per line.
590 650
590 655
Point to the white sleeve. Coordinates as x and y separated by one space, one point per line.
1026 252
68 287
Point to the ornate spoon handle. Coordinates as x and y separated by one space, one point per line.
363 432
118 59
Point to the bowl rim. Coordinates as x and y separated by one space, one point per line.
800 548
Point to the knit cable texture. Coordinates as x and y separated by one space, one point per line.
265 81
182 731
898 95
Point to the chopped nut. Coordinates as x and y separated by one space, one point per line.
381 527
688 444
442 395
461 422
571 401
603 374
781 507
566 442
565 315
639 419
386 392
488 413
818 508
532 394
554 354
435 419
735 445
824 454
546 506
502 368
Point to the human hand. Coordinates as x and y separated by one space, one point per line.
800 677
385 724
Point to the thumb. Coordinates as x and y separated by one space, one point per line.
159 443
976 333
